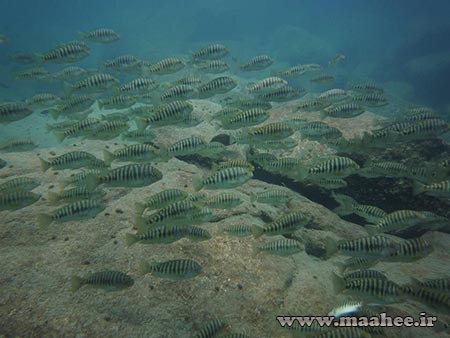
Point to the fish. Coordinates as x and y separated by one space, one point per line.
80 179
73 195
384 169
267 84
311 105
79 128
69 52
72 73
132 153
435 298
187 146
108 280
107 130
356 262
70 160
43 100
189 80
322 79
141 136
214 67
160 234
100 35
372 100
336 60
173 214
375 290
345 110
3 163
131 175
166 66
440 284
124 63
161 199
317 130
410 250
20 183
283 94
246 118
96 83
17 199
287 224
238 230
347 308
365 87
177 269
179 92
138 86
272 196
328 183
268 132
333 95
336 167
117 102
440 189
211 329
361 274
73 105
78 210
23 58
281 247
223 179
211 52
370 247
292 72
167 114
226 200
15 111
18 145
36 73
256 63
219 85
402 220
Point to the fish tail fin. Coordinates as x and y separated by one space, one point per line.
139 207
338 282
371 229
76 283
60 136
130 239
331 246
53 198
198 183
44 220
418 188
145 268
108 157
45 165
141 123
257 231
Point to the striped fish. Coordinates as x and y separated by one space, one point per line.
108 280
78 210
177 269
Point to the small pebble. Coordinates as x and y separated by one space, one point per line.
55 173
240 287
86 263
51 186
107 214
66 239
53 237
119 211
185 185
52 153
115 242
